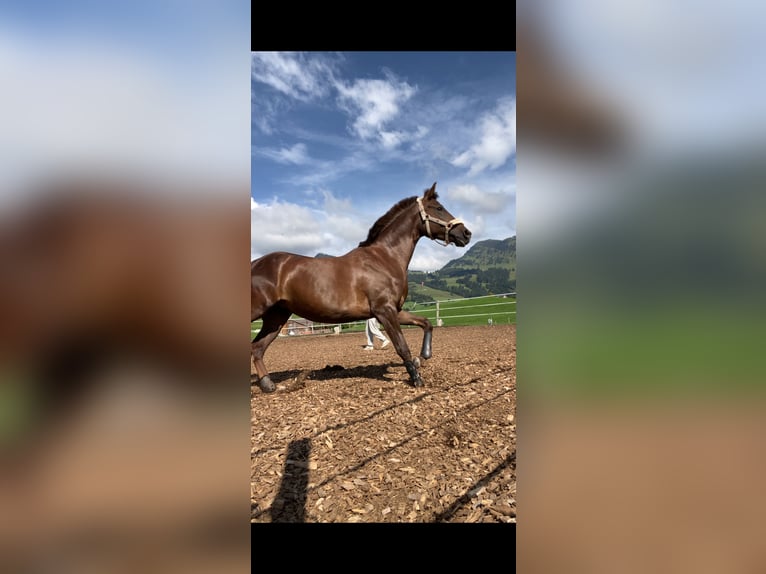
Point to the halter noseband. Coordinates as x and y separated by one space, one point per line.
428 218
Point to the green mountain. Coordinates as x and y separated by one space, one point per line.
487 254
488 267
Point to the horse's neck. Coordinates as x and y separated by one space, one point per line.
401 237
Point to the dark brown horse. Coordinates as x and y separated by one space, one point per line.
369 281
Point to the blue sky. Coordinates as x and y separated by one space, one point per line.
338 138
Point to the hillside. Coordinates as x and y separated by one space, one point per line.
488 267
487 254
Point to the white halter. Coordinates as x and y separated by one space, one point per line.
428 218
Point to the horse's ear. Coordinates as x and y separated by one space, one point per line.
431 193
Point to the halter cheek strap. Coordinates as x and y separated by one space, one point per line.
428 218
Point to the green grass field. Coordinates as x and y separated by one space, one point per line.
454 313
470 311
436 294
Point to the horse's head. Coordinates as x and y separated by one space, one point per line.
438 223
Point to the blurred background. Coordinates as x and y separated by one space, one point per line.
124 175
124 233
641 269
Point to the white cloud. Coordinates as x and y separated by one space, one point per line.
347 229
477 225
488 214
428 262
334 204
345 222
390 140
373 104
430 256
297 154
325 171
281 226
300 76
497 140
478 200
264 111
335 228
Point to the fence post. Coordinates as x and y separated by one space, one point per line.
437 313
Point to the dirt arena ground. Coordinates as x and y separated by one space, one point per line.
345 438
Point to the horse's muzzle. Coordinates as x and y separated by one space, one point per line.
460 235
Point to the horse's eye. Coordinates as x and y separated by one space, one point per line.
440 208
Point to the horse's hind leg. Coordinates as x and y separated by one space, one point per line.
407 318
273 320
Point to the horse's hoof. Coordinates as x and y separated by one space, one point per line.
416 362
417 382
266 385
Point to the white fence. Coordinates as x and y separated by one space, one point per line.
440 313
442 306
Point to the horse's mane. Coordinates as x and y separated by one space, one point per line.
385 219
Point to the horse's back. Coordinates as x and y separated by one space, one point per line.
270 265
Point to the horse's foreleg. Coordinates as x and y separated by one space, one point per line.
389 319
407 318
273 320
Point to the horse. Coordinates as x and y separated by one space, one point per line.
368 281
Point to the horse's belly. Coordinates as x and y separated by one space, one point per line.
328 314
328 303
326 290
